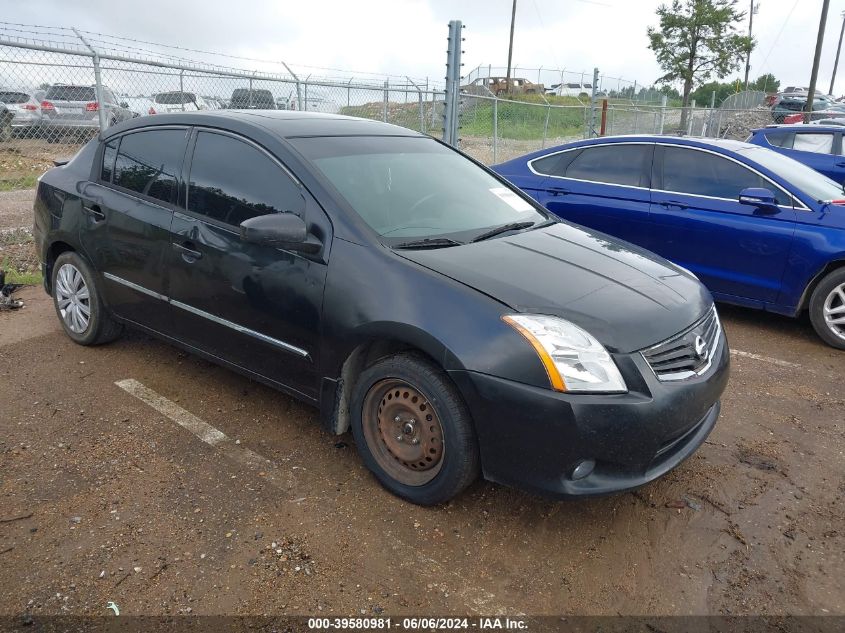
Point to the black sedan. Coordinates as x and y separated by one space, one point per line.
406 291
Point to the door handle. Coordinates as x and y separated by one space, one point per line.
94 212
189 254
558 191
840 163
673 203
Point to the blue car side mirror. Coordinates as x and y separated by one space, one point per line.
757 197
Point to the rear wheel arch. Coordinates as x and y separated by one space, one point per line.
53 251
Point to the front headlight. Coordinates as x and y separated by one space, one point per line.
574 360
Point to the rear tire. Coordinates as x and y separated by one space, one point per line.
78 303
413 430
827 309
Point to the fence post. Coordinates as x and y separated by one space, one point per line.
305 98
546 125
593 104
453 83
298 89
690 117
662 119
349 93
384 105
98 83
420 102
495 129
182 88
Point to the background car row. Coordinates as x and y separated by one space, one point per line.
63 108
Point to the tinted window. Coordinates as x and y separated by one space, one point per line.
109 154
704 174
554 165
816 143
71 93
171 98
149 163
616 164
14 97
232 181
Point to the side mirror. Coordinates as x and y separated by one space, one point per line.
758 197
280 230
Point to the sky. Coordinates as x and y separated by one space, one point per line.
408 37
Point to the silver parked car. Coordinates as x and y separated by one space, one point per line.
25 108
69 108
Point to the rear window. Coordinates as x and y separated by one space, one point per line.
171 98
259 98
71 93
148 163
13 97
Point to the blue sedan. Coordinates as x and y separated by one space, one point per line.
759 229
817 146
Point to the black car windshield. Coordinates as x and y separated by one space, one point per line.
804 179
414 187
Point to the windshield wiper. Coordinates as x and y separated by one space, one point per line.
429 242
504 228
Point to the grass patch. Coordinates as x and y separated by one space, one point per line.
28 278
521 122
19 181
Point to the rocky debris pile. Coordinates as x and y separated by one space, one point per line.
737 124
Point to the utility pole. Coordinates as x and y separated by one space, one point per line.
811 94
751 12
838 50
510 49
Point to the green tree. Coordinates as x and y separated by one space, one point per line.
696 40
766 83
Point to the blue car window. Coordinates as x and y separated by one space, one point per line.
781 139
703 174
554 165
617 164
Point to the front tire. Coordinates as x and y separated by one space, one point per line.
413 430
827 309
78 303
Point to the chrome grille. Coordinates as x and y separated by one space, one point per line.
689 353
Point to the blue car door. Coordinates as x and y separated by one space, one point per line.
604 187
819 150
739 251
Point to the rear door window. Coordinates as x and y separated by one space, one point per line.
232 181
149 163
700 173
616 164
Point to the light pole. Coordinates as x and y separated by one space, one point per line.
510 49
755 7
811 93
838 50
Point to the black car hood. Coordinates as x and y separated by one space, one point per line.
627 297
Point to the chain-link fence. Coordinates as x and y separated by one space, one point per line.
60 87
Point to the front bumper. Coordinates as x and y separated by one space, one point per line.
534 438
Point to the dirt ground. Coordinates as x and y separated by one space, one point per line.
103 498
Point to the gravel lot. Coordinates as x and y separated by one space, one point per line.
103 498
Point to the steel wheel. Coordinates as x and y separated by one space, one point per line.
834 311
403 432
73 298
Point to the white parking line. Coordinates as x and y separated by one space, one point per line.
187 420
764 359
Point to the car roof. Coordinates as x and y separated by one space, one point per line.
282 123
691 141
799 126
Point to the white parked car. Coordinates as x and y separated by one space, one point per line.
572 89
140 106
177 101
25 106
